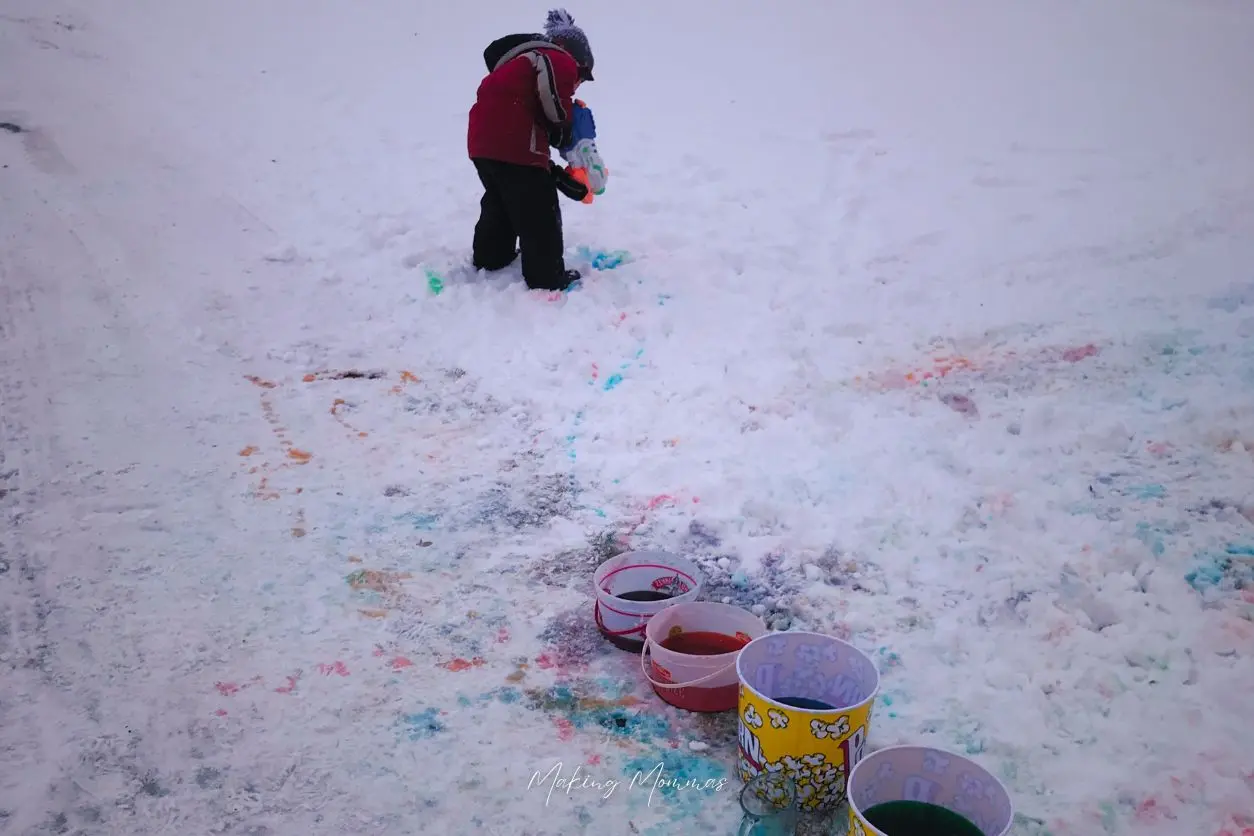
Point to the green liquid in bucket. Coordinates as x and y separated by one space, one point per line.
917 818
805 703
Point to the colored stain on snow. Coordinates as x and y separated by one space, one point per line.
506 694
572 643
604 259
685 783
570 438
887 701
1230 571
613 715
1078 353
373 580
421 725
230 689
434 282
675 767
614 380
458 665
888 659
961 404
337 668
969 738
420 522
579 697
1204 577
678 766
1151 537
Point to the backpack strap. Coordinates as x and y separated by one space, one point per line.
525 47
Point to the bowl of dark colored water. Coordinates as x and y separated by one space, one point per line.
922 791
918 818
633 587
690 653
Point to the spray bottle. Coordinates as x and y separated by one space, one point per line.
583 160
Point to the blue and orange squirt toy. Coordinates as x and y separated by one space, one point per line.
583 160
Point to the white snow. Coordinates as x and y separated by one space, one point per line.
291 605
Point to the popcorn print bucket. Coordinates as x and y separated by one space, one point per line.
921 775
805 709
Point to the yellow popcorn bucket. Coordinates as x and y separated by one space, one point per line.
805 710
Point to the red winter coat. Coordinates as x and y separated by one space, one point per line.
525 100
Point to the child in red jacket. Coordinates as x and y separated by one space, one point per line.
523 107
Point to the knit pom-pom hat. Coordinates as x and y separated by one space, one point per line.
560 28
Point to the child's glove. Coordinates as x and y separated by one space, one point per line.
581 154
569 184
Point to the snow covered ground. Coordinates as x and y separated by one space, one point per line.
936 332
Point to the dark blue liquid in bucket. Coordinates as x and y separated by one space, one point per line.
805 703
635 642
643 595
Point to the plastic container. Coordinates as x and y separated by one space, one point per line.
703 681
922 775
805 710
652 573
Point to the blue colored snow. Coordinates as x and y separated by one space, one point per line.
603 259
1222 570
1206 576
422 522
1151 537
422 725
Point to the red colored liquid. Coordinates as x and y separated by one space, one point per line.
700 643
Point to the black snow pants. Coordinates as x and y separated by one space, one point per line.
519 207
